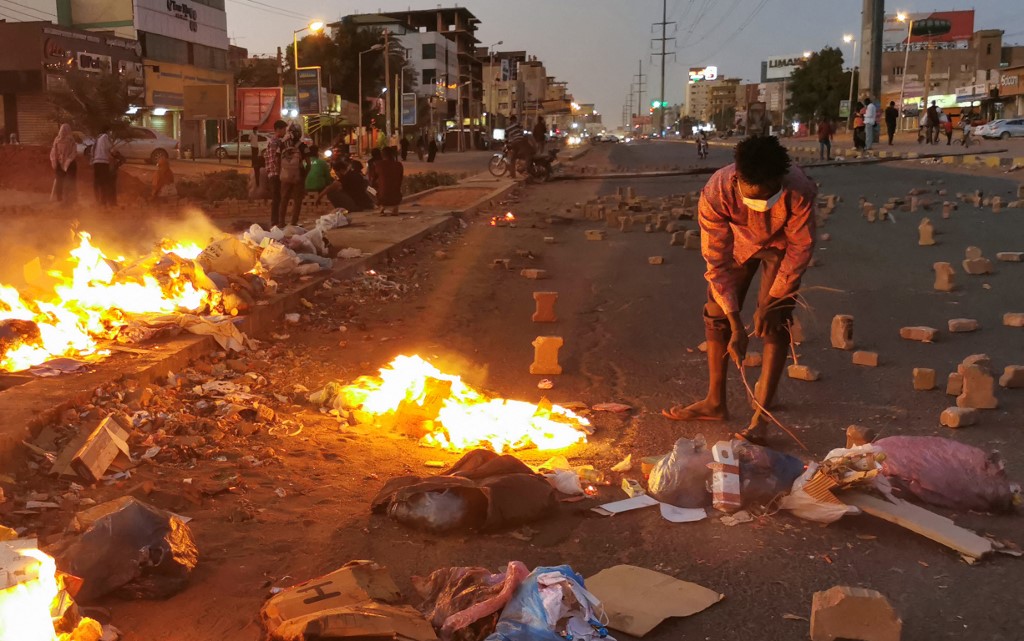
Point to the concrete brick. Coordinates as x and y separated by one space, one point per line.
656 260
977 266
867 359
957 325
947 209
922 334
534 274
956 417
752 359
674 226
545 312
625 223
503 263
650 228
545 356
691 240
596 234
973 253
1013 377
803 373
997 204
853 613
924 379
978 388
678 239
925 233
944 279
1010 257
1013 319
954 384
550 240
842 332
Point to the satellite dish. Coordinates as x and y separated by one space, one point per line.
931 27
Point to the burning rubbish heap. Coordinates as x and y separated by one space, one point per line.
79 306
415 397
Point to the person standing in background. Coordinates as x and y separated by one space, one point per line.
102 178
63 159
272 159
390 175
825 133
891 115
255 156
870 121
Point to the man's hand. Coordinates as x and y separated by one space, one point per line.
738 346
768 318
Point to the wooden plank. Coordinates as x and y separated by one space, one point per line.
928 524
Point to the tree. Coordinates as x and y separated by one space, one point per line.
93 105
261 72
818 86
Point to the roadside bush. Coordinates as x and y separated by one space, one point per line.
415 183
219 185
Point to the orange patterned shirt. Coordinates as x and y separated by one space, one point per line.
731 233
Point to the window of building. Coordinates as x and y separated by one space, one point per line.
963 67
216 4
429 76
429 51
208 57
897 71
164 49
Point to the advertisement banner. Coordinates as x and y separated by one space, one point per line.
506 69
206 102
779 67
700 74
258 107
309 91
894 33
408 109
184 20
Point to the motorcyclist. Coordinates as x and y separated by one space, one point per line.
518 144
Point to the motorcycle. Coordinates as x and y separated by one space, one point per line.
702 149
541 166
498 165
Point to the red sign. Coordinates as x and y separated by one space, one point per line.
258 107
894 33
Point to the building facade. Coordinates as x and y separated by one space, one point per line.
712 100
1011 91
189 85
40 56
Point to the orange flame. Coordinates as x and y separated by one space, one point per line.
25 607
456 416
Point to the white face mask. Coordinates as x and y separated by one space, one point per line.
762 205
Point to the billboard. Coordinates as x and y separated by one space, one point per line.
408 109
206 102
308 91
894 33
258 107
700 74
185 20
780 67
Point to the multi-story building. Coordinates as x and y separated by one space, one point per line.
500 81
189 87
39 57
710 97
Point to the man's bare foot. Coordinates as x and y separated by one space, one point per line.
704 410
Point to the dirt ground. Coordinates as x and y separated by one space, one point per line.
274 505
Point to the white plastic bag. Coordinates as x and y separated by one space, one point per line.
333 220
681 478
228 255
278 259
806 507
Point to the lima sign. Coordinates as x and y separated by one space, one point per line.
780 67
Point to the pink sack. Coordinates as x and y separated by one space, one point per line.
460 602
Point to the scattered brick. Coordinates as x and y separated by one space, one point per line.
534 274
922 334
944 279
752 359
691 239
859 435
545 356
978 388
977 266
656 260
678 239
925 233
545 312
954 384
1010 257
842 332
924 379
803 373
957 325
1013 377
596 234
1013 319
956 417
867 359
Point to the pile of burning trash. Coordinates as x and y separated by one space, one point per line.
77 307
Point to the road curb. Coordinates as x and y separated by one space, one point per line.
25 408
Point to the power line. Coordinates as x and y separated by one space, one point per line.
27 15
4 15
276 8
710 32
45 13
739 30
274 11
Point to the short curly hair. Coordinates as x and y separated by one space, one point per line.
761 160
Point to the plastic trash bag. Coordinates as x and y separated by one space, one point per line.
943 472
333 220
806 507
229 256
320 261
301 245
135 550
765 474
463 604
551 605
682 478
278 259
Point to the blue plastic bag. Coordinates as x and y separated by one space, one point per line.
529 616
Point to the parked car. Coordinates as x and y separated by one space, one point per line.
146 144
1003 128
230 149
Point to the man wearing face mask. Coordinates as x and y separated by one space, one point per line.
756 214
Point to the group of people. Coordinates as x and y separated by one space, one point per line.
867 117
935 122
294 168
426 147
520 146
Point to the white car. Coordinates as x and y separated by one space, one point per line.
146 144
230 149
1003 128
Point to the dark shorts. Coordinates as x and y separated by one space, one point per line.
716 323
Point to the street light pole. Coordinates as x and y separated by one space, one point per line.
906 61
853 70
314 27
359 126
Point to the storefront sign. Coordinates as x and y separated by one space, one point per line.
258 107
53 48
1011 83
894 32
408 109
781 67
187 21
94 63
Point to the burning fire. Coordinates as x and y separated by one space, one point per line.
500 221
89 304
455 416
25 607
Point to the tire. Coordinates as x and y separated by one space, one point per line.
498 166
221 153
1004 136
157 155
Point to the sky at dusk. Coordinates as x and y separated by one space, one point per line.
595 45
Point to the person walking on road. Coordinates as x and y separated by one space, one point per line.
432 149
293 175
825 133
858 126
870 121
64 161
891 115
931 128
272 161
755 214
102 169
965 125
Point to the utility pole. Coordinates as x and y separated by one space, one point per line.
640 81
387 79
663 39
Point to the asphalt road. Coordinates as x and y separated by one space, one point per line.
631 331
